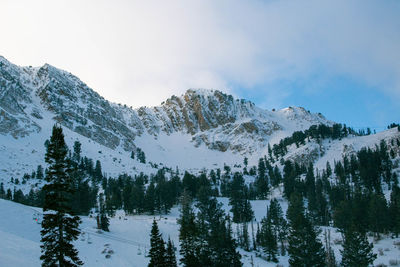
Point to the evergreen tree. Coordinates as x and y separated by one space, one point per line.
261 182
215 243
245 237
103 222
19 196
97 172
310 192
2 191
321 212
39 172
329 254
278 223
9 194
170 258
357 252
229 256
241 207
394 210
268 239
188 233
157 251
59 228
289 179
150 198
76 156
378 214
304 247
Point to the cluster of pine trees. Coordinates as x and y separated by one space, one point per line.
206 236
133 196
139 155
316 132
161 256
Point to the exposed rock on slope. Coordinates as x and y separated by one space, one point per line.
217 120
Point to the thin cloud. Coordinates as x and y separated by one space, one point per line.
139 53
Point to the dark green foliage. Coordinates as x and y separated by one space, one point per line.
394 211
97 173
268 239
189 183
261 183
76 156
241 207
206 239
18 196
304 247
103 222
188 233
393 125
321 215
2 191
357 252
289 179
157 251
317 132
59 229
140 155
330 260
9 194
150 198
278 223
39 172
170 258
378 214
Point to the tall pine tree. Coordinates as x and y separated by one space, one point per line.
188 233
357 252
170 258
59 228
304 247
157 249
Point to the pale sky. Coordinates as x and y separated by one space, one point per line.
341 58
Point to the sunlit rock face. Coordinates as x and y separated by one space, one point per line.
28 96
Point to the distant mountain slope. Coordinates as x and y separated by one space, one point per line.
328 150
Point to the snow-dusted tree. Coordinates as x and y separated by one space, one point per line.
59 228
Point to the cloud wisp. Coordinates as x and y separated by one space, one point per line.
139 53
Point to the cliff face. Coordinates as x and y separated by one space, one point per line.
30 97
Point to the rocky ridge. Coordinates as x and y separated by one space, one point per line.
210 117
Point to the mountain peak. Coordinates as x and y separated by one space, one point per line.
210 117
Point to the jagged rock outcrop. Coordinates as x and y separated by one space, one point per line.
212 118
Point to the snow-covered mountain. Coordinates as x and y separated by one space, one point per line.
201 128
201 123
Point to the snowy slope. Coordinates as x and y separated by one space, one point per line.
329 150
128 240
